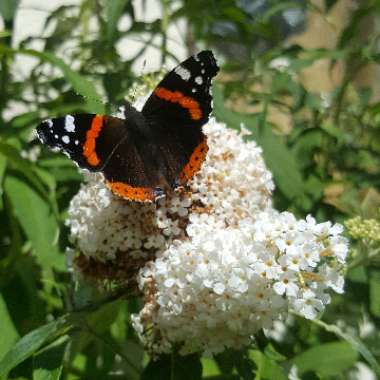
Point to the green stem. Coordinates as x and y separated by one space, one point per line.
4 72
111 345
354 341
364 260
164 29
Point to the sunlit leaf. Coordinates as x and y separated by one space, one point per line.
47 365
30 343
8 8
80 84
267 369
37 221
114 10
3 165
24 166
278 157
355 343
210 368
327 359
374 292
8 330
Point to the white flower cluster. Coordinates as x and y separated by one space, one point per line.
217 262
219 287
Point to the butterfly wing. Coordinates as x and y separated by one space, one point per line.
88 139
102 143
176 111
143 154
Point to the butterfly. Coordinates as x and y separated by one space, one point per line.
149 153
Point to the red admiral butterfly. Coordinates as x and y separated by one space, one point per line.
152 151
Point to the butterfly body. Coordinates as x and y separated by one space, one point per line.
149 152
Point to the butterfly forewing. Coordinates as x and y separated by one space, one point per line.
176 110
184 93
88 139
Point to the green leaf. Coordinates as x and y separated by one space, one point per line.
8 9
9 332
210 368
187 367
24 120
278 157
278 8
80 84
282 162
329 359
352 30
3 166
47 365
24 166
174 367
374 292
5 33
114 10
369 203
159 369
38 222
329 4
267 369
30 343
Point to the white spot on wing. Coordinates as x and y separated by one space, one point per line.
56 136
193 90
66 139
69 123
183 73
49 122
203 71
198 80
76 142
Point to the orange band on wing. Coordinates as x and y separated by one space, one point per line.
89 145
195 162
132 193
184 101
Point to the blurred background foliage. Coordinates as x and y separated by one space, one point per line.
302 76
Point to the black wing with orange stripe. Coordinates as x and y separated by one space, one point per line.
184 95
88 139
109 145
149 152
176 111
